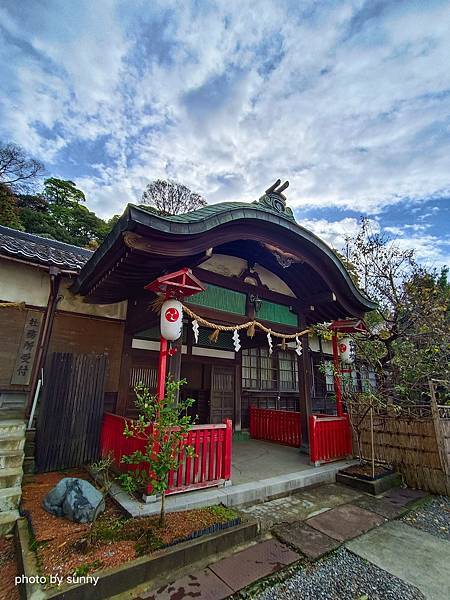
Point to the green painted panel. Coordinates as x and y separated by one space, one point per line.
221 299
277 313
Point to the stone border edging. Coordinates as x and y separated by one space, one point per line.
141 570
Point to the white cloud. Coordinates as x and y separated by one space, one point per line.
350 104
429 249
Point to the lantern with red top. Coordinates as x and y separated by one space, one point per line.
173 287
343 352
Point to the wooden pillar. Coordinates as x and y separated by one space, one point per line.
304 365
238 395
174 366
124 379
337 376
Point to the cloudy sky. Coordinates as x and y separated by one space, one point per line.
349 100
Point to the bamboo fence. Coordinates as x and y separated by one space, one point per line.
416 444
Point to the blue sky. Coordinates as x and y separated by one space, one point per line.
349 100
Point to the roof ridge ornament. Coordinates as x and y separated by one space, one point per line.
274 199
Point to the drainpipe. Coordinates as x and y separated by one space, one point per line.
49 317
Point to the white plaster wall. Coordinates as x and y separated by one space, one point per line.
24 283
231 266
75 303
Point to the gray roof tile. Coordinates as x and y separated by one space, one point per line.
42 250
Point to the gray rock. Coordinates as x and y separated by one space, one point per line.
75 499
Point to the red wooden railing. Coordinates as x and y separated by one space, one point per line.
330 438
210 465
280 426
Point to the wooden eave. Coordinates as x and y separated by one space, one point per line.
143 246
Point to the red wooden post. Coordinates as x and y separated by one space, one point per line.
162 368
337 376
313 439
227 450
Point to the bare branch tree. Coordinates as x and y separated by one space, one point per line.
17 169
171 198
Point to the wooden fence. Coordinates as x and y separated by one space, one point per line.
70 413
279 426
417 444
330 438
210 465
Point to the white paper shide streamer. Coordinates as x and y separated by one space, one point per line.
236 340
269 341
195 329
298 347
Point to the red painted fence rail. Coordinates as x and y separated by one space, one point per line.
210 465
330 438
279 426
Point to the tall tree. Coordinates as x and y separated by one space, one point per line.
409 332
18 170
9 211
171 198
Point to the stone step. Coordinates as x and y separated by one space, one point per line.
10 459
7 520
11 426
11 477
12 442
9 499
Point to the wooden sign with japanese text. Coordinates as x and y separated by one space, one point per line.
27 348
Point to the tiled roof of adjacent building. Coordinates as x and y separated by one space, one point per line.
41 250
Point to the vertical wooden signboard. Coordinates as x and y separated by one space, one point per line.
27 348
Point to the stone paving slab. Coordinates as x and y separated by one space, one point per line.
391 505
404 496
305 539
203 584
345 522
415 556
300 506
253 563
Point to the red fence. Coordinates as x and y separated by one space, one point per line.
330 438
280 426
210 465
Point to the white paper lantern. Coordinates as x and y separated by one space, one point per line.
346 350
171 319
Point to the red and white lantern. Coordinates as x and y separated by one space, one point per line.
171 319
346 350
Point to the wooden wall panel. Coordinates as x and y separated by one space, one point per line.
80 334
12 321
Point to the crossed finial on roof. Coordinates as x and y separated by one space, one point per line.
274 189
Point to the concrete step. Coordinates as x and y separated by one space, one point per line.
7 520
14 441
11 477
9 498
10 459
11 426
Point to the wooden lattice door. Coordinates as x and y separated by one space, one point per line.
222 394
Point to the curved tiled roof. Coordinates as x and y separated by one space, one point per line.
40 250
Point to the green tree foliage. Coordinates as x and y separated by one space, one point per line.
9 211
57 212
162 425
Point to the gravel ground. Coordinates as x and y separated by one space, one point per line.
341 576
433 517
